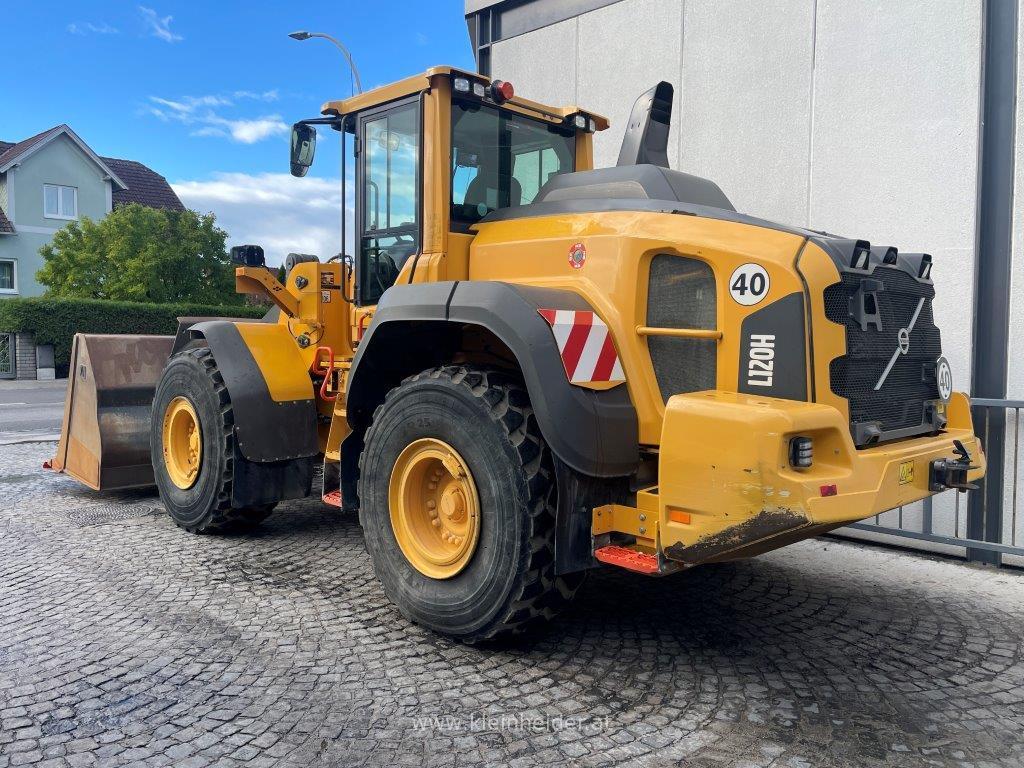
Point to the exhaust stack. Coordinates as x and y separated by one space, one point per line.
646 139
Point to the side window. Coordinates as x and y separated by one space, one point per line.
8 277
501 158
60 202
389 199
533 169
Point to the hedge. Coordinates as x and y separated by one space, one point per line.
56 321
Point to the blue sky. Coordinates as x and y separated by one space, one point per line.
204 93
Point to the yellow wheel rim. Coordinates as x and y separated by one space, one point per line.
183 443
435 510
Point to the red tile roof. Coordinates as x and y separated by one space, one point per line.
13 150
144 186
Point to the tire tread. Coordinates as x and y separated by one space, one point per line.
537 594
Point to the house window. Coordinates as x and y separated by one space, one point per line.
8 277
60 202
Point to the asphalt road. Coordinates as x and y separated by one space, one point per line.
30 409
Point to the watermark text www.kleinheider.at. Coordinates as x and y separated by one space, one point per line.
532 723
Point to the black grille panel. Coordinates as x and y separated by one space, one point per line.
681 294
899 405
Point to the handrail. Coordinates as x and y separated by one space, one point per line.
327 372
683 333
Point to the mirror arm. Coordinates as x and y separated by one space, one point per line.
334 122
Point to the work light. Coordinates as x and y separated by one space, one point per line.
801 452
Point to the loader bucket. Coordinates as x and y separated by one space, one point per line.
104 439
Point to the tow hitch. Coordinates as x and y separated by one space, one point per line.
952 473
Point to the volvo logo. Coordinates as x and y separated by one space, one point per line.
903 338
902 345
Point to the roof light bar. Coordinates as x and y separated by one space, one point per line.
581 122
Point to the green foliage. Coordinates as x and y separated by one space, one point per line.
140 254
56 321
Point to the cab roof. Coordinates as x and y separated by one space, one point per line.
424 80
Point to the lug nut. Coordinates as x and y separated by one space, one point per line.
436 523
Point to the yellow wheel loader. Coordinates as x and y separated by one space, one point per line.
529 368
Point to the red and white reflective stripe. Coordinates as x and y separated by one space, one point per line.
585 344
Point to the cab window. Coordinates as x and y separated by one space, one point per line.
389 198
502 159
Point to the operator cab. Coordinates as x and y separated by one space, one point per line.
435 154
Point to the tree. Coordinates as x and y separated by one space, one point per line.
140 254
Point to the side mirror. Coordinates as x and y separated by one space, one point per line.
303 148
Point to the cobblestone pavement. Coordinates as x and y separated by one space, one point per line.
124 640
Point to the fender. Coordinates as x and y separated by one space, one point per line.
593 432
271 392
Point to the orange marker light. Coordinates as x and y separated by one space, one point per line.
678 516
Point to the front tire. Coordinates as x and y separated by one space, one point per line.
192 446
482 421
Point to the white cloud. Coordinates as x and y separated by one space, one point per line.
87 27
282 213
159 26
199 111
251 131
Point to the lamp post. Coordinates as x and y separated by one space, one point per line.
303 35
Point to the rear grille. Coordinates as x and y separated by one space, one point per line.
681 294
898 407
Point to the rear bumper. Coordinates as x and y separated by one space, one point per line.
727 489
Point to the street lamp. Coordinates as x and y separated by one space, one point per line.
303 35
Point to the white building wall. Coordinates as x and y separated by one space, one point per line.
746 101
625 49
541 65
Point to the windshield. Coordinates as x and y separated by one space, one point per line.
501 159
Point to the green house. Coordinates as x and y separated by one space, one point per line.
52 178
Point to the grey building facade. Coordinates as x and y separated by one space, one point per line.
898 122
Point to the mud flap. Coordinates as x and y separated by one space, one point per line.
270 389
104 439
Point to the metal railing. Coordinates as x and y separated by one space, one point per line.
984 522
7 353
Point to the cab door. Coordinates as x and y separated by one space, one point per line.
388 204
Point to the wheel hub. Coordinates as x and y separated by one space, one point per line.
434 507
183 443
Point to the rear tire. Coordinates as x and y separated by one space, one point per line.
508 587
205 507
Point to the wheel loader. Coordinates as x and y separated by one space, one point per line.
528 368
